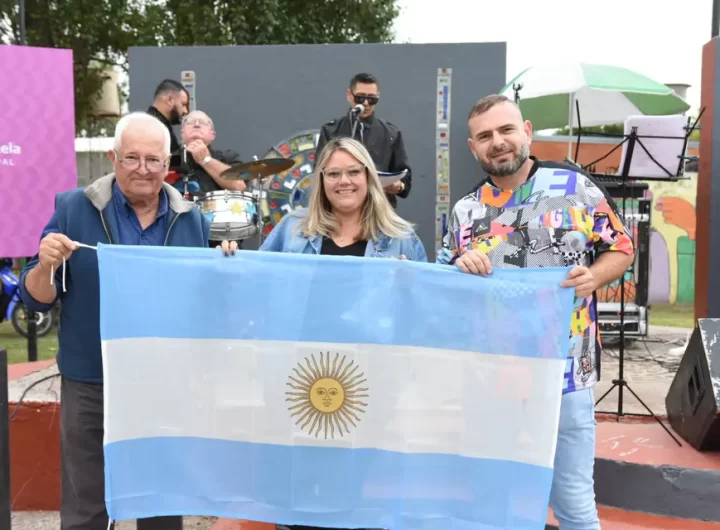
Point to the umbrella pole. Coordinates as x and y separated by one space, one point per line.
571 112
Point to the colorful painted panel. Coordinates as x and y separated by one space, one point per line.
289 190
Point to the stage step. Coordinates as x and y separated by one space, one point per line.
617 519
611 519
640 468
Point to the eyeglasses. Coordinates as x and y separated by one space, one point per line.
335 174
372 99
197 121
132 162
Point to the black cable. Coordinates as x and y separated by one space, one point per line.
606 155
22 397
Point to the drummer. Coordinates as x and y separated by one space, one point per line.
204 163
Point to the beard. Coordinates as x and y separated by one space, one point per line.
505 169
175 117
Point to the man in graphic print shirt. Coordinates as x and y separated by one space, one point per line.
531 213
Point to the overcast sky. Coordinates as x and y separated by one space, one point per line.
661 39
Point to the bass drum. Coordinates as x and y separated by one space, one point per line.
289 190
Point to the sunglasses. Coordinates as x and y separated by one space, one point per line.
372 99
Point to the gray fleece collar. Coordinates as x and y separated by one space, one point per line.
100 192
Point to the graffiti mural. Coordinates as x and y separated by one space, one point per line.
288 191
672 245
672 241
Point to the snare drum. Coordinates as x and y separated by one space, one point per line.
232 214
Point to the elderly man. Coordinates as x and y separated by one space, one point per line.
132 206
206 164
531 213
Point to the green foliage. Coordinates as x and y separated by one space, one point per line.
100 31
617 128
255 22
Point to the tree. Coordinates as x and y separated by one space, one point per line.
207 22
100 31
617 128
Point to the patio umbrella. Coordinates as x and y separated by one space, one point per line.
605 94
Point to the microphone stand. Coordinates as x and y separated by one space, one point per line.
354 120
186 175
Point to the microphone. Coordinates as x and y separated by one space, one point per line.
357 109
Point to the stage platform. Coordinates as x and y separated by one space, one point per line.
643 479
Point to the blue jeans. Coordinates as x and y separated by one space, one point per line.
572 497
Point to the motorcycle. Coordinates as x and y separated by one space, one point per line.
12 307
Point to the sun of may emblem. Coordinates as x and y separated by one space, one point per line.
327 398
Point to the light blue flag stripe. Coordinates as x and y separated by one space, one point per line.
175 293
199 293
331 487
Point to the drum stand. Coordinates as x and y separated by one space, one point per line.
258 205
258 208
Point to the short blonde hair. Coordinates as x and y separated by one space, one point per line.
378 217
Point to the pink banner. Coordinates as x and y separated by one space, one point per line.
37 142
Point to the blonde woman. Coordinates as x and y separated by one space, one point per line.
348 213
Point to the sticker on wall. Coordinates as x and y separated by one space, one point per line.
190 84
442 154
442 213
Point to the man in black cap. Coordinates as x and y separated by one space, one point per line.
382 139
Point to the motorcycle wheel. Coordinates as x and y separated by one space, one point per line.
43 325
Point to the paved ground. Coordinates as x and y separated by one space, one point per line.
51 521
649 367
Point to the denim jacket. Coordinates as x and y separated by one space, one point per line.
288 237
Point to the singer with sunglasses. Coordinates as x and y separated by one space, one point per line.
382 139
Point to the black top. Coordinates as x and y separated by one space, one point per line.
383 141
175 159
330 248
204 183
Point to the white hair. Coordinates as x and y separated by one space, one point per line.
141 119
197 113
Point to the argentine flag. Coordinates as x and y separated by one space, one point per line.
329 391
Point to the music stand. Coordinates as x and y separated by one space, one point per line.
632 140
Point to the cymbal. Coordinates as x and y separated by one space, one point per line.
257 169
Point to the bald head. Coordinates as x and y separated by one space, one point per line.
197 126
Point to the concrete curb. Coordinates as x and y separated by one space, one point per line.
672 491
238 524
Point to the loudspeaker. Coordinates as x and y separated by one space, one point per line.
694 395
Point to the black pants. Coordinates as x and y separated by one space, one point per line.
82 462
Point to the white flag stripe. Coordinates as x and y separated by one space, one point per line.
403 399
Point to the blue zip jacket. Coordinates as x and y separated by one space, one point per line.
86 215
288 237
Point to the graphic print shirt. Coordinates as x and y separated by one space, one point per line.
558 218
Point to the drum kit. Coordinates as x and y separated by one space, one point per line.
237 215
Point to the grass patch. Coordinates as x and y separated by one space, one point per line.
16 344
676 315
